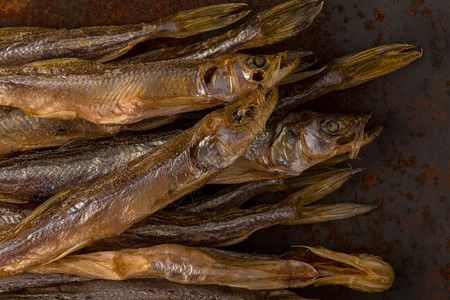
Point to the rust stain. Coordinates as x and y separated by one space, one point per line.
408 262
428 176
368 25
367 180
426 12
380 16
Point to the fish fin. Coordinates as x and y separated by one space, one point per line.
15 200
57 61
366 65
323 213
319 190
312 176
195 21
286 20
375 275
297 75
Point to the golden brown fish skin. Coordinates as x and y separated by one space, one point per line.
22 132
20 46
37 175
107 94
302 139
219 228
142 288
270 26
346 72
212 266
81 216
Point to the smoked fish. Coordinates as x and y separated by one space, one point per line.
143 288
78 217
107 94
183 264
21 132
268 27
22 45
286 149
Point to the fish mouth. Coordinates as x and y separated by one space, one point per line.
285 64
356 137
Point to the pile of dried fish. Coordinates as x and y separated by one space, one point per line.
84 170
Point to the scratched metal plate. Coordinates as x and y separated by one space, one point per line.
408 167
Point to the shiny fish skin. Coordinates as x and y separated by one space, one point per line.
150 288
212 266
277 151
74 219
346 72
341 73
22 132
297 143
270 26
107 94
219 228
31 280
227 226
38 175
20 46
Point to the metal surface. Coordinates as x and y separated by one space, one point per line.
407 168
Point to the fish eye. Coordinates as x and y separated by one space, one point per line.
256 62
332 127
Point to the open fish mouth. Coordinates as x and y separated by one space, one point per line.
285 64
356 137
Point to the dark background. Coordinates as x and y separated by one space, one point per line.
407 169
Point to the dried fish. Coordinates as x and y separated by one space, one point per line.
268 27
219 228
183 264
74 219
346 72
21 132
22 45
149 288
301 140
108 94
297 143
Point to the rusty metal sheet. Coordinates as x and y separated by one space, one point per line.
407 169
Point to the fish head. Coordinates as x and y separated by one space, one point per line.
242 74
227 132
305 138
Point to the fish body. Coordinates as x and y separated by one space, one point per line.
295 144
301 140
270 26
189 265
22 132
107 94
148 288
22 45
76 218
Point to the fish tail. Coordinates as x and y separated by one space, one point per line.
320 189
362 272
366 65
321 213
286 20
312 176
204 19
